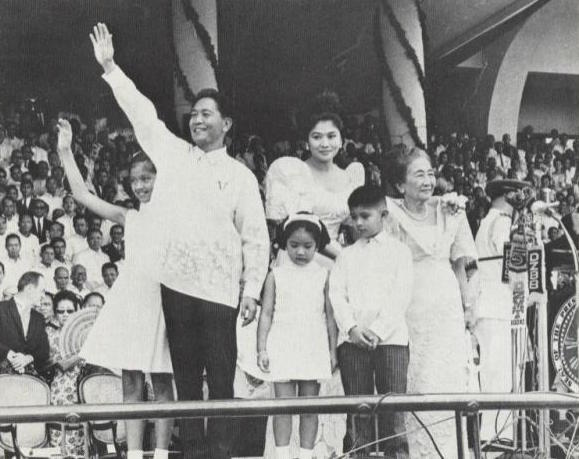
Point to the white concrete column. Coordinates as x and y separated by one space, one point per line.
194 63
403 71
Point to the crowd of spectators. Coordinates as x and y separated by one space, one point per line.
43 228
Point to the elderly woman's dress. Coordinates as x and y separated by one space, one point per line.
435 318
64 391
290 188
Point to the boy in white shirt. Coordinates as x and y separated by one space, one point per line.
370 292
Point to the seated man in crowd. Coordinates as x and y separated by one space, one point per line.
15 178
41 225
77 242
47 266
93 300
62 279
55 231
116 248
50 198
60 255
24 205
23 340
3 230
15 266
78 277
110 272
69 207
30 246
9 212
92 259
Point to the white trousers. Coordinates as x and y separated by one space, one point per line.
495 369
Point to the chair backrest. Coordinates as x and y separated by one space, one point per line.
103 388
24 390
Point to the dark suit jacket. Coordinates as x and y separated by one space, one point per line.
12 336
22 208
113 253
43 234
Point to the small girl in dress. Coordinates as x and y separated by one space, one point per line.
297 334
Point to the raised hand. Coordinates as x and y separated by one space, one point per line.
102 42
64 135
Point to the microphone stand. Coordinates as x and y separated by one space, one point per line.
524 241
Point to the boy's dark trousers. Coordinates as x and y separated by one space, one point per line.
201 337
385 369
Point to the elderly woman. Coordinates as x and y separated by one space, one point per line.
444 292
64 386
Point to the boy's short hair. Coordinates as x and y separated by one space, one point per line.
366 196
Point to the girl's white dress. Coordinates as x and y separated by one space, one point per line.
289 188
297 343
129 332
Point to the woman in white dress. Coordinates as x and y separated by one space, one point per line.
129 333
445 291
319 186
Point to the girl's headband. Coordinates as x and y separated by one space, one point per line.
303 218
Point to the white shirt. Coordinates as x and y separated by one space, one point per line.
370 287
39 154
93 262
67 222
53 202
30 248
496 298
16 143
80 293
74 245
106 230
48 273
503 161
569 176
24 312
12 225
212 233
5 153
13 270
104 290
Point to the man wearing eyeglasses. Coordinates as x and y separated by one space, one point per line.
23 340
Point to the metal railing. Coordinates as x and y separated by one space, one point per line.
460 404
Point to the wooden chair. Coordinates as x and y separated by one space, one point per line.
23 390
103 388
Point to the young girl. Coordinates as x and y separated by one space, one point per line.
130 331
296 334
